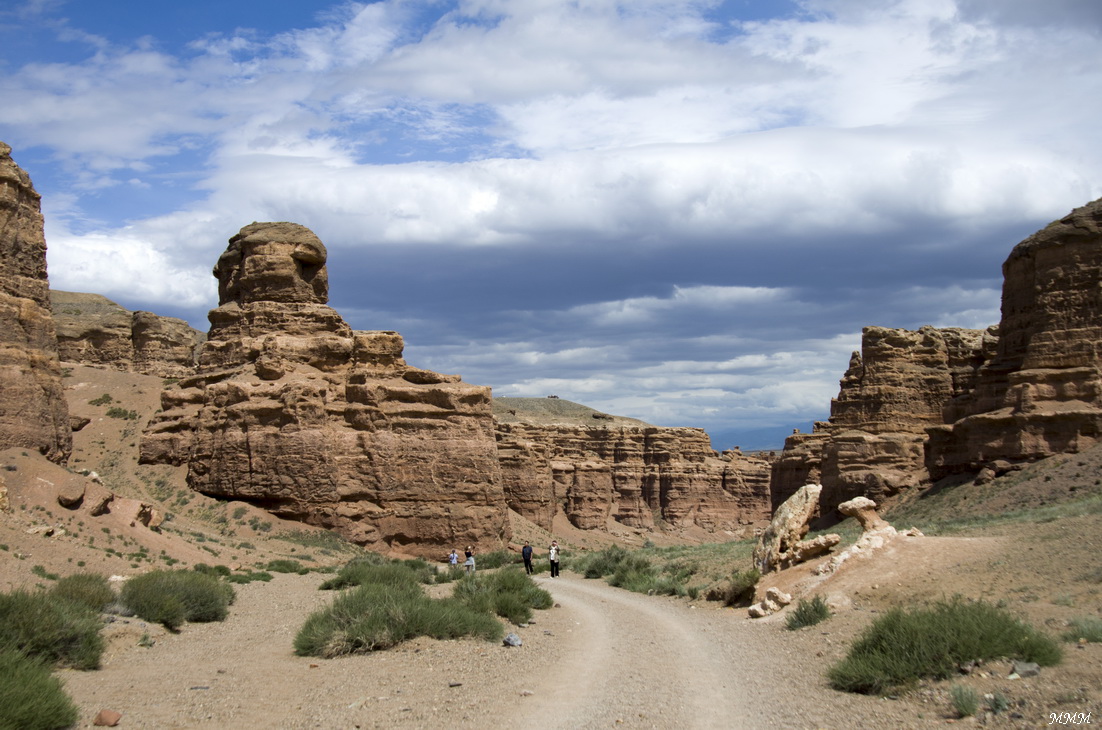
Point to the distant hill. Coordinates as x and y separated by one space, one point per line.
556 411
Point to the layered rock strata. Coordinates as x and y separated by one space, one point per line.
93 330
1041 392
915 407
293 411
33 411
639 476
895 388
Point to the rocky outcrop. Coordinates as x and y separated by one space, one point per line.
782 544
1041 392
895 388
93 330
33 411
915 407
633 474
293 411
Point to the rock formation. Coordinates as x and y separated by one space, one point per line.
894 389
782 544
627 472
33 411
93 330
1041 392
915 407
293 411
875 533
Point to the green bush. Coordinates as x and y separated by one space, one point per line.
965 700
497 559
508 593
376 616
89 589
1087 627
55 630
738 590
286 566
30 697
807 613
452 573
220 571
249 577
904 646
170 597
361 572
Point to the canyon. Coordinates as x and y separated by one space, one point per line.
283 406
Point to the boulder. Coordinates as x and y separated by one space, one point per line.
781 545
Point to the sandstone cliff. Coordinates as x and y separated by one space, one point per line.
293 411
597 469
93 330
918 406
33 412
1041 392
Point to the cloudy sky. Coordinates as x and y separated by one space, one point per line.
678 210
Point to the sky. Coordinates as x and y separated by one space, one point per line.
682 211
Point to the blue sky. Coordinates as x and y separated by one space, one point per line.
681 211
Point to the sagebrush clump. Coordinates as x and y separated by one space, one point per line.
904 646
171 597
56 630
31 698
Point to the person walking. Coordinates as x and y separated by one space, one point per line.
453 559
526 553
553 554
469 564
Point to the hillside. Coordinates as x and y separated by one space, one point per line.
553 411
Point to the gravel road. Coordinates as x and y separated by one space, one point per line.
602 658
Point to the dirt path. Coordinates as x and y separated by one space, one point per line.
603 658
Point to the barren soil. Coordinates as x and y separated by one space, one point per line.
602 657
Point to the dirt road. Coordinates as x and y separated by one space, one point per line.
603 658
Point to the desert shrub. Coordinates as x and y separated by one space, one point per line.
603 562
286 566
508 593
102 400
496 559
904 646
116 412
450 574
53 629
362 572
30 697
221 571
375 616
965 700
738 589
807 613
249 577
170 597
89 589
1087 627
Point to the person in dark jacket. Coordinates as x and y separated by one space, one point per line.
526 553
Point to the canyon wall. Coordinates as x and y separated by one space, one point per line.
1041 392
914 407
631 474
33 411
293 411
93 330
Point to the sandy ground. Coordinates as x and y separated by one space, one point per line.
602 657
